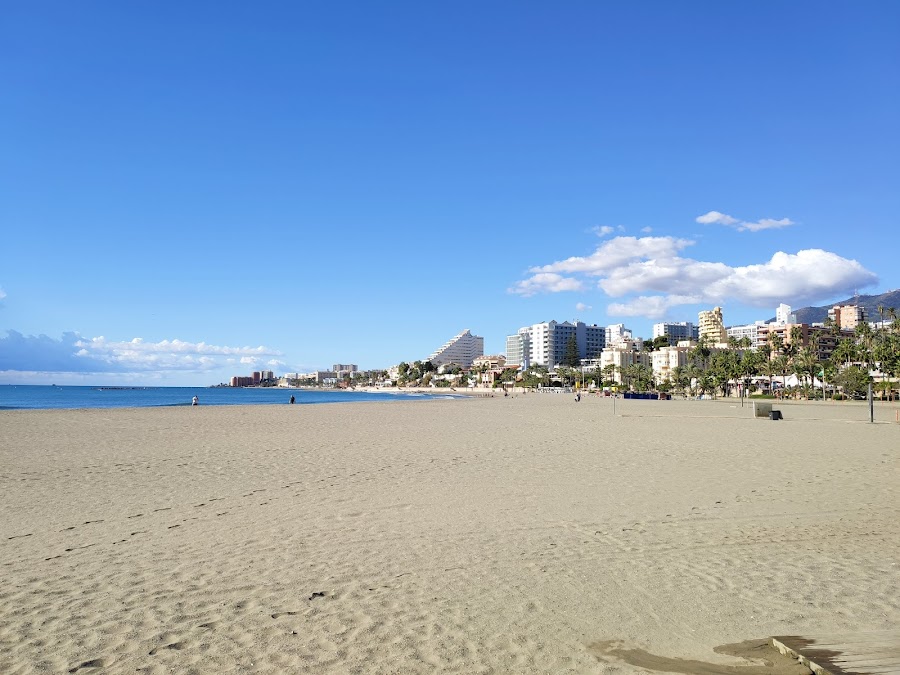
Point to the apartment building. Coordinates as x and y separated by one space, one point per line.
621 355
664 360
847 317
676 331
462 350
546 343
711 327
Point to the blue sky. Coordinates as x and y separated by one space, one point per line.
190 191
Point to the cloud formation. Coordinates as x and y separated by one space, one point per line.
546 282
718 218
653 276
603 230
74 354
581 307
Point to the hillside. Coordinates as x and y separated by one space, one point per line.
870 302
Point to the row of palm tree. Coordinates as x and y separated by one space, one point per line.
716 370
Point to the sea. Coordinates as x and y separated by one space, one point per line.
17 396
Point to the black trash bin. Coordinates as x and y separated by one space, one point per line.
775 415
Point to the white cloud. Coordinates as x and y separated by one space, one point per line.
581 307
249 360
716 218
646 230
765 224
650 306
75 354
616 252
603 230
545 282
653 278
2 294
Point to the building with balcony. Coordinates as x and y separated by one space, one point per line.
711 327
546 343
462 350
847 317
676 331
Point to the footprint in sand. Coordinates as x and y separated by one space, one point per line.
21 536
178 646
103 662
280 614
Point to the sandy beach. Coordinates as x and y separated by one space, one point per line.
527 534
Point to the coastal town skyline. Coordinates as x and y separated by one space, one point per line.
187 198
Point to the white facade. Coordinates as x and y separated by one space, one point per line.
783 314
461 349
749 331
622 355
546 343
616 333
666 359
675 331
518 349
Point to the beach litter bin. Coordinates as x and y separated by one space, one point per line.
775 415
762 409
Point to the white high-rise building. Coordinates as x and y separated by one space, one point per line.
461 350
750 330
616 333
546 343
518 349
676 331
783 314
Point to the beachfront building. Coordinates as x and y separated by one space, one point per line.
621 355
462 350
711 328
545 344
518 349
676 331
821 339
847 317
491 362
750 331
344 370
665 359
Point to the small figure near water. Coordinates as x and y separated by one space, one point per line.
195 401
292 399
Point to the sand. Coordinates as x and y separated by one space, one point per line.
527 534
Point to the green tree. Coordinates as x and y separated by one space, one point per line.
571 358
853 381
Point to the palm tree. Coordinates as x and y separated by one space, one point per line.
807 362
782 364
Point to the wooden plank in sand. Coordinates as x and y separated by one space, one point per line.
845 654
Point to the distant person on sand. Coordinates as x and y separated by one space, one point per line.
195 401
292 399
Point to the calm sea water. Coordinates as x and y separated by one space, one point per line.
32 396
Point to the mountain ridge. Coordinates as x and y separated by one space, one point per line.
870 302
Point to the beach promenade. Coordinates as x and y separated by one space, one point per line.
527 534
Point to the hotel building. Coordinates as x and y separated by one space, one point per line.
676 332
545 343
462 350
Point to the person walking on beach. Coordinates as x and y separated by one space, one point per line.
195 401
292 399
